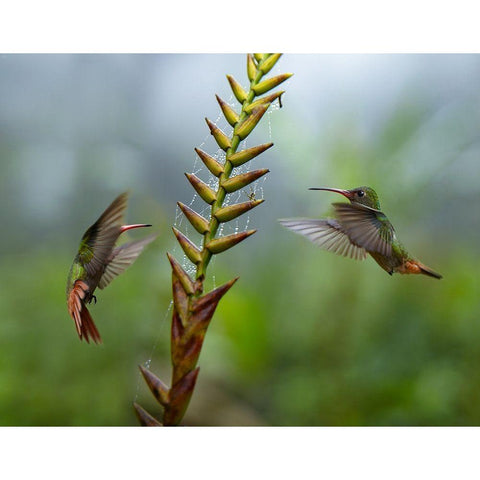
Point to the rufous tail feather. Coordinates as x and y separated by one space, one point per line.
88 328
84 324
428 271
412 266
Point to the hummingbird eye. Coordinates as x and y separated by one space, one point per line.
360 193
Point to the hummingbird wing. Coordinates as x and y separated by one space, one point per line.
366 227
122 257
79 312
98 241
327 234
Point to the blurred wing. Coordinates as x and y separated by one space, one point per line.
327 234
98 241
78 311
122 257
366 227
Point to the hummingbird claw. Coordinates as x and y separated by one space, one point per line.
94 298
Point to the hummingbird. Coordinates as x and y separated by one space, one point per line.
359 227
98 262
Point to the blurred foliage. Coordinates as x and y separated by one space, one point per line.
305 337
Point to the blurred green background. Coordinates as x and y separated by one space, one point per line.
304 337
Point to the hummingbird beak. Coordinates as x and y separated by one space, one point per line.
345 193
129 227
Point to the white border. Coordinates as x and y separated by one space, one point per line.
217 26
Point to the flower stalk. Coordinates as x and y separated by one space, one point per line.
192 309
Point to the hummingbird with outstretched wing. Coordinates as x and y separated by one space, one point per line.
359 228
98 262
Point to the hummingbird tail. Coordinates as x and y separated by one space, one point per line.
88 328
412 266
84 324
428 271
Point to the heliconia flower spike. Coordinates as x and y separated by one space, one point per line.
267 99
215 167
244 129
221 244
269 62
230 114
180 398
191 251
193 309
157 387
236 183
204 307
231 212
182 275
187 353
267 85
181 303
145 418
251 68
222 140
248 154
196 220
211 299
238 91
205 192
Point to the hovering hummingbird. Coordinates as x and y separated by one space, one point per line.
98 262
359 227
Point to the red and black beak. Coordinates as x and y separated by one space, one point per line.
345 193
124 228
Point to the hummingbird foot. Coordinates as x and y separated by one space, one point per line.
94 298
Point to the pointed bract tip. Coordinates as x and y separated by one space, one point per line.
145 418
